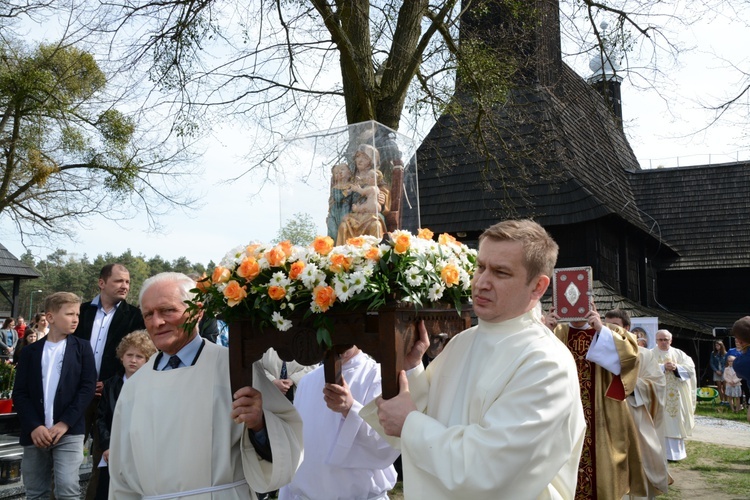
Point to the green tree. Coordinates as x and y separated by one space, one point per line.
67 151
300 229
64 272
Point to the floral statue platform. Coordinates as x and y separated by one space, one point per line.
310 303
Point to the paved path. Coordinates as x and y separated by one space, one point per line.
724 432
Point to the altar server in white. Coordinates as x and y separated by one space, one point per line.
679 405
345 459
179 432
498 413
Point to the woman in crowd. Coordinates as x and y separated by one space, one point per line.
29 338
718 356
8 338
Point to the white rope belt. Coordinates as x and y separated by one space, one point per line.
209 489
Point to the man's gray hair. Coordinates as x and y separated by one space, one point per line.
183 282
665 332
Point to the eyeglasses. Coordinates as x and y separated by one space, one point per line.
662 340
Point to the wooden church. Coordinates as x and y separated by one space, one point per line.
672 243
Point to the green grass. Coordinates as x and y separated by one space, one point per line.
727 469
706 410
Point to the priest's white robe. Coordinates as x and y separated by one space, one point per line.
647 407
173 433
345 459
680 401
500 416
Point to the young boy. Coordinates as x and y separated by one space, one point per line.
133 351
55 382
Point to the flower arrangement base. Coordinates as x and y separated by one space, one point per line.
6 406
386 335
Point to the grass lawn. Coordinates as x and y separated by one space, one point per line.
725 470
706 410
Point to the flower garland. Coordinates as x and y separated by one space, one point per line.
275 285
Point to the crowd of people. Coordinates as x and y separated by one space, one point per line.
522 405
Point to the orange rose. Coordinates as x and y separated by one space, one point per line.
296 270
324 297
356 241
425 234
446 238
372 254
450 275
251 249
276 292
276 256
234 293
402 243
220 275
340 263
249 269
323 245
203 283
286 246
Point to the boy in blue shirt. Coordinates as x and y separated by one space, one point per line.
55 382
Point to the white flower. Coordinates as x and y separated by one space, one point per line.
233 257
436 292
357 282
281 324
279 279
413 276
343 289
309 275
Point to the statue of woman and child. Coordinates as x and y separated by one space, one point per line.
359 197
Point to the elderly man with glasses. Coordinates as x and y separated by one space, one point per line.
680 402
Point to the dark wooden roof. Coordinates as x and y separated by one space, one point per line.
560 157
11 267
703 211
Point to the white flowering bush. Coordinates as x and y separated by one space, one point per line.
276 285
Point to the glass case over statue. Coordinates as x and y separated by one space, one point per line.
350 181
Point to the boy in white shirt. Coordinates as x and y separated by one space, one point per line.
55 382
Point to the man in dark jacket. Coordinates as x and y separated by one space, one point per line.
104 322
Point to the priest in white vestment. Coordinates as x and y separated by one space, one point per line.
345 459
680 401
498 413
179 432
647 407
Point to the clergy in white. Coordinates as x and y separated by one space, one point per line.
498 413
647 407
345 459
679 405
179 432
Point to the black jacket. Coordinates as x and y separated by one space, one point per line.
106 410
74 391
127 319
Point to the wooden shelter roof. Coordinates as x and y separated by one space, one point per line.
11 267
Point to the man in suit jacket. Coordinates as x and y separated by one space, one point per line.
104 322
